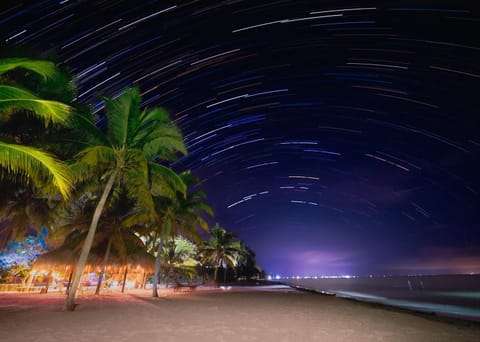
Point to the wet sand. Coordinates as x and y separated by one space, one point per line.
239 314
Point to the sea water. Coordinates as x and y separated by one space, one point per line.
447 295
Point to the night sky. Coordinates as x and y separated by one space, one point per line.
334 137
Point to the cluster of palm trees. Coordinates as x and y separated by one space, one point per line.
97 182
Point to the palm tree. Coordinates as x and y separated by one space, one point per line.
221 249
248 267
179 257
20 212
32 164
113 233
125 156
183 214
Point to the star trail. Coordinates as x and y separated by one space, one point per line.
341 130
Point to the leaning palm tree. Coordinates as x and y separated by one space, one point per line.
124 154
16 159
113 230
221 249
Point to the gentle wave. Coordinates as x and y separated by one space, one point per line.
448 295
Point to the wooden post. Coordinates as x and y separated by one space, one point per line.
47 285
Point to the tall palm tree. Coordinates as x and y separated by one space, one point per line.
180 215
221 249
31 164
112 234
125 155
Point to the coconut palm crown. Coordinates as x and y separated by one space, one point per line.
221 248
35 165
126 154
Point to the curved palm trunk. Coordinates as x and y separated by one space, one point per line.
104 266
82 260
69 281
157 268
124 279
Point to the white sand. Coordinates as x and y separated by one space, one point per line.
246 314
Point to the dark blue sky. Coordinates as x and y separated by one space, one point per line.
334 137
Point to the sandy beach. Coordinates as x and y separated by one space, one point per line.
239 314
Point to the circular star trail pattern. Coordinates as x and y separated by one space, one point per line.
333 137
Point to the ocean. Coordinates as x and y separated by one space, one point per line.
447 295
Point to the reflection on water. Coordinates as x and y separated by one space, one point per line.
444 309
450 295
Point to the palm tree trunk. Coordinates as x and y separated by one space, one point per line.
167 277
30 281
104 265
82 260
69 281
157 268
124 279
215 275
225 274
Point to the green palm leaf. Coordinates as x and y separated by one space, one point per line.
123 116
165 182
96 156
83 123
35 164
13 98
156 114
156 147
44 68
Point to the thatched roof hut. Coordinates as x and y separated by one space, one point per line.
57 259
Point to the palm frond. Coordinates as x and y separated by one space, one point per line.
14 98
157 114
137 189
97 155
84 123
36 165
123 116
163 179
154 148
46 69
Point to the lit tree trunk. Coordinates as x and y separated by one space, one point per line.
69 281
87 245
124 279
157 268
30 280
104 265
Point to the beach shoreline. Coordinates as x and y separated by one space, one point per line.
246 313
441 316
